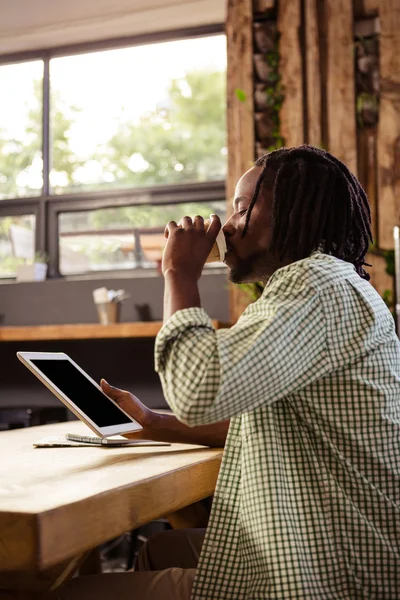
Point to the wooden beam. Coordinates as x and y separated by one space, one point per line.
239 32
240 109
290 67
340 96
389 123
313 74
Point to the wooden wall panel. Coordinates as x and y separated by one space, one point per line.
291 70
240 114
340 93
313 69
389 122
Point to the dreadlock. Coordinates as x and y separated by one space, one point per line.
317 203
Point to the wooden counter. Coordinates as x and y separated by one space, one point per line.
87 331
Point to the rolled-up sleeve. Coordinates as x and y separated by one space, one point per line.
277 347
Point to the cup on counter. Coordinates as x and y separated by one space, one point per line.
108 304
109 312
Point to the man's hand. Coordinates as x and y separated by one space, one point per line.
136 409
188 246
165 427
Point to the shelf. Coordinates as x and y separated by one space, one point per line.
85 331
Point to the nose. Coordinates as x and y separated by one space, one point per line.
229 228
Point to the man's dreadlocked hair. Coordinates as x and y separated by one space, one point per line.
317 203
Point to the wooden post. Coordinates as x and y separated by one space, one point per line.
340 93
313 74
240 113
240 110
291 71
389 123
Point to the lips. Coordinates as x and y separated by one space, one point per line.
228 256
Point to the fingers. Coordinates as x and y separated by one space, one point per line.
128 402
186 223
170 227
113 392
214 226
198 223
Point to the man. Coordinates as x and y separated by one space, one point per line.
307 504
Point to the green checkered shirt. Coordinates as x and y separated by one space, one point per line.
307 504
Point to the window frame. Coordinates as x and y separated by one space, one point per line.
47 206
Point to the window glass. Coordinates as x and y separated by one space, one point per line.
121 238
17 243
139 116
21 168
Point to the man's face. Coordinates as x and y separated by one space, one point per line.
249 258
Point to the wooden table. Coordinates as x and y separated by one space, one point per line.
56 504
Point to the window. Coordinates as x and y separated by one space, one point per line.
120 238
21 162
99 149
17 243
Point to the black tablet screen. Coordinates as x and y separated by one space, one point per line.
91 401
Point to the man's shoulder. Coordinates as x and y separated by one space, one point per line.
313 273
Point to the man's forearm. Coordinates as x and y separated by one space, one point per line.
179 293
167 428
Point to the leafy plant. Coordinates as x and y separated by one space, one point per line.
275 95
41 257
388 255
365 100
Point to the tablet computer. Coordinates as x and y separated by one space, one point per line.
79 392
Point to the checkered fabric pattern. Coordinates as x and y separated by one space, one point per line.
307 504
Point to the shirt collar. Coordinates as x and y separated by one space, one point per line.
318 254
